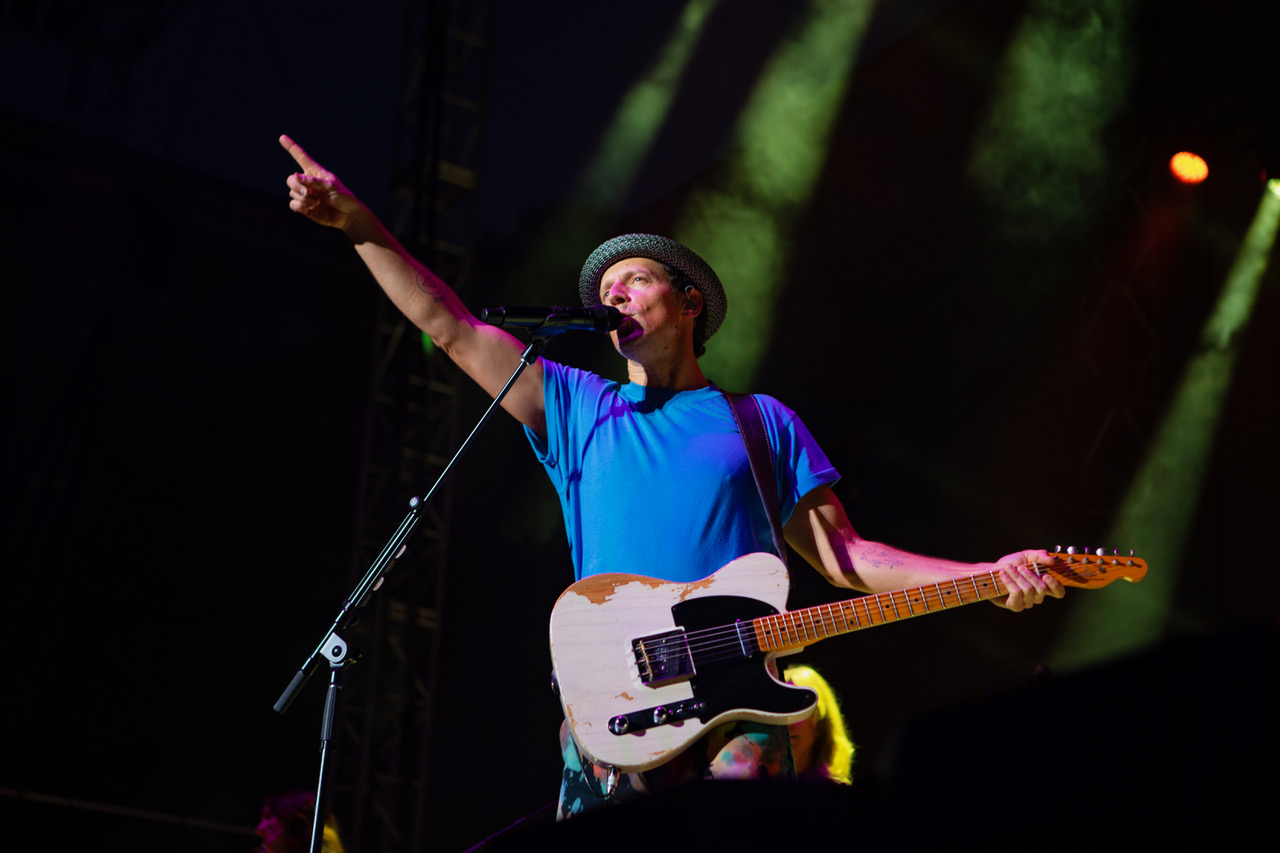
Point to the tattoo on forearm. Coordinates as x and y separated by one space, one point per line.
881 558
432 286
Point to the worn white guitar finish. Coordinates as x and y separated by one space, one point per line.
645 667
592 628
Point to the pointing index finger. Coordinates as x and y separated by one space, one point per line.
301 157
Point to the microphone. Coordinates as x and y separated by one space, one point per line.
597 318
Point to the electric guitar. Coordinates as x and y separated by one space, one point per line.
644 667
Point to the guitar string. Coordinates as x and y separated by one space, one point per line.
710 645
930 594
725 641
707 649
813 623
705 643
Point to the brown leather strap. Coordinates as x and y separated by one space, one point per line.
750 419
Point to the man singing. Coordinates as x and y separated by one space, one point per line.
653 475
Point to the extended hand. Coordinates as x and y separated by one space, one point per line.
316 192
1026 588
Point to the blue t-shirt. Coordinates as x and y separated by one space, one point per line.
657 482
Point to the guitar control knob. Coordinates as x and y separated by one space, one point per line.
619 725
660 715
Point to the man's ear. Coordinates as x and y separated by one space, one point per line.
692 301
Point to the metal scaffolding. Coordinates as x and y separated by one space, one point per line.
384 763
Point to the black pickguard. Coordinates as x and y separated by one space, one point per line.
734 681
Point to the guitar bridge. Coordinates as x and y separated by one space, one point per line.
663 658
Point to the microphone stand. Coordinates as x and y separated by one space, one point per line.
332 647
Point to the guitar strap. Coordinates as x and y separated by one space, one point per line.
750 419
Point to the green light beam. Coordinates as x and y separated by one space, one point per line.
1040 150
742 225
611 173
569 232
1160 507
604 183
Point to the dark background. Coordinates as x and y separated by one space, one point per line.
186 371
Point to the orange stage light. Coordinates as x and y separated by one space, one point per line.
1188 168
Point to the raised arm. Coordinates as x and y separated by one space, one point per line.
485 353
820 532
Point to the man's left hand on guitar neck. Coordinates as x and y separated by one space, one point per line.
1027 587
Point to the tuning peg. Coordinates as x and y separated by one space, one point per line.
1071 549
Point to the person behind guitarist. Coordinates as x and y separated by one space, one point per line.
660 451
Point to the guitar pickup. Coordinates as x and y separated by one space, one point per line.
659 715
663 658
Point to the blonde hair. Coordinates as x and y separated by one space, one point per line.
295 810
832 750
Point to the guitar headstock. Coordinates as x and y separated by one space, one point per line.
1080 568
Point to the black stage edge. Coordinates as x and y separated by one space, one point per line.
1175 748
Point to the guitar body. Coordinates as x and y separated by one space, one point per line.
602 677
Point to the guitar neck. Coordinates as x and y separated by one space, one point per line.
798 628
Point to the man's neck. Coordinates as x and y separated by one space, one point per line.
683 374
